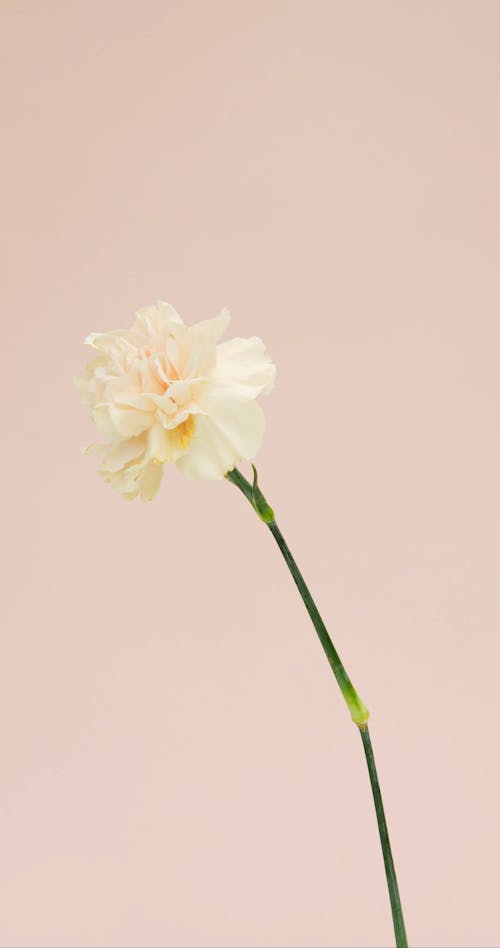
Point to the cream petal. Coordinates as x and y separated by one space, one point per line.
160 369
201 360
129 422
121 339
170 423
102 421
210 330
143 401
122 452
162 311
245 367
167 445
143 477
156 319
233 431
178 394
174 348
175 405
180 391
126 481
178 439
165 404
158 445
202 339
151 480
85 384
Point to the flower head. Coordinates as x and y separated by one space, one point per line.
163 391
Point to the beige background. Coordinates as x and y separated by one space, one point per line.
177 767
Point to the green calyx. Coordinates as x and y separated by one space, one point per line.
261 506
252 493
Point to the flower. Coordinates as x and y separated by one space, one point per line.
166 392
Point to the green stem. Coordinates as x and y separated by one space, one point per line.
359 712
390 871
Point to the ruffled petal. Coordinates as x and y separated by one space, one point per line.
210 330
102 421
142 478
151 480
106 341
167 445
141 400
129 422
123 452
201 342
157 319
245 367
233 431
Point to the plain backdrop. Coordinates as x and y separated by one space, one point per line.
177 766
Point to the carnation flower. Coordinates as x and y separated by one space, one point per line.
163 391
